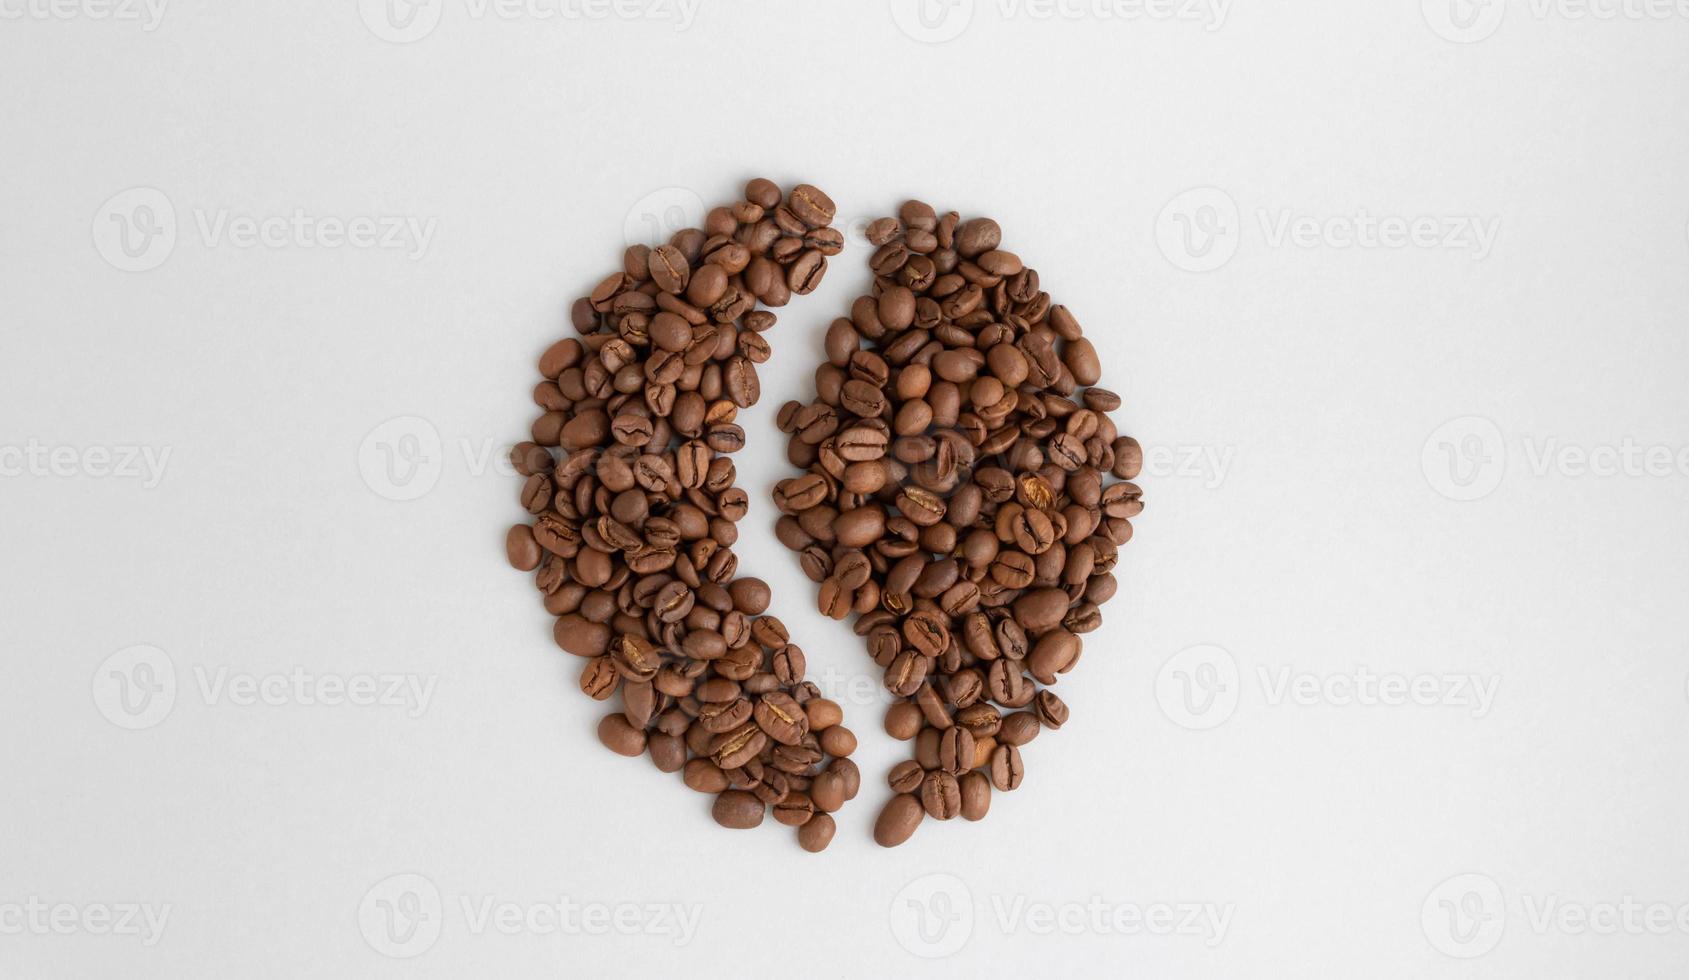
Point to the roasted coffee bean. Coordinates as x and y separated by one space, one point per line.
838 741
1006 771
522 550
906 777
816 833
1018 729
620 737
795 810
898 821
976 795
903 721
941 796
956 750
738 810
828 792
1052 710
704 776
783 718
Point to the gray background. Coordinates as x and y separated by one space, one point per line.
1364 461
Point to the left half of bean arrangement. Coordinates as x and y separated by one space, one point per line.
634 508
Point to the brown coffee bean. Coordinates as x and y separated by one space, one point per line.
823 714
737 810
811 206
816 833
620 737
1054 653
976 795
956 750
897 822
1040 609
704 776
521 549
1018 729
580 636
906 777
903 721
782 718
838 741
795 810
1052 710
1006 771
941 796
828 792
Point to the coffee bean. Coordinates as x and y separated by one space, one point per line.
903 721
906 777
737 809
795 810
956 750
580 636
783 718
976 795
521 549
1018 729
816 833
1006 771
620 737
828 792
704 776
897 822
941 796
1052 710
813 207
1040 609
838 741
1054 653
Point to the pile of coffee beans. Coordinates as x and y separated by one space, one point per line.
630 484
955 498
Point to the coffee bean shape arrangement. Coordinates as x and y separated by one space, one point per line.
956 497
630 485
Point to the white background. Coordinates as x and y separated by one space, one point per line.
1321 412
